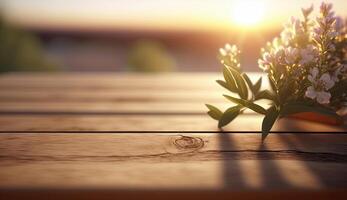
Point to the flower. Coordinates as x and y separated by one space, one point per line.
228 50
264 65
306 63
309 54
292 29
291 55
265 62
304 44
325 8
307 11
229 55
320 86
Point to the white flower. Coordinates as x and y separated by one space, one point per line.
320 87
308 55
229 53
292 29
228 50
265 63
321 96
225 51
291 55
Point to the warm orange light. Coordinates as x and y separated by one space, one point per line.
248 13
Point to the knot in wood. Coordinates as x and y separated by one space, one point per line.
187 142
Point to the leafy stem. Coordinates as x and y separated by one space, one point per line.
238 83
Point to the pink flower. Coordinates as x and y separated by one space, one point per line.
308 55
320 87
306 12
325 7
265 63
291 55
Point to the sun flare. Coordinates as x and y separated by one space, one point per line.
248 13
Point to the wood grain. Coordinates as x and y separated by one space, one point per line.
204 161
99 96
109 80
137 122
107 136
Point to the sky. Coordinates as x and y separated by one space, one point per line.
156 14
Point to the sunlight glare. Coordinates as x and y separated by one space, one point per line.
247 13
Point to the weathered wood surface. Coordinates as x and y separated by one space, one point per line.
101 136
204 161
125 122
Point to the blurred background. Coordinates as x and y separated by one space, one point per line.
142 36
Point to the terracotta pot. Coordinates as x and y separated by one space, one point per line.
316 117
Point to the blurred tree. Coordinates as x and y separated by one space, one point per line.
150 56
20 51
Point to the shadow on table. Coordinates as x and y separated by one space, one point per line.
234 174
297 140
263 162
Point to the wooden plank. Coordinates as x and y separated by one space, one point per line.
99 96
199 194
62 93
81 122
108 107
123 87
108 79
35 165
117 107
173 162
36 86
184 81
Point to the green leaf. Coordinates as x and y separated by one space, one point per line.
265 94
257 86
253 87
214 112
268 121
229 87
240 82
299 107
229 78
272 84
229 115
248 81
247 104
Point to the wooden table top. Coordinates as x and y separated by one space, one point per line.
107 135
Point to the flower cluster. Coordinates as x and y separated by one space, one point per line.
306 67
311 54
230 55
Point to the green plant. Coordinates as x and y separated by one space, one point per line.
150 56
21 51
306 69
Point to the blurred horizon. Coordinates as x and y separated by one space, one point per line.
164 15
105 35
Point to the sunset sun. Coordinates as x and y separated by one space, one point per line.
247 13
